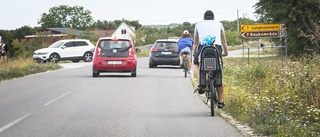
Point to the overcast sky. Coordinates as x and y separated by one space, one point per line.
17 13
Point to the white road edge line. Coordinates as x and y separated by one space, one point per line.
14 122
56 99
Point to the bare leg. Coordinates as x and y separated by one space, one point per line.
220 92
189 62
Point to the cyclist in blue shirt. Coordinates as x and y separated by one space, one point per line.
203 29
185 45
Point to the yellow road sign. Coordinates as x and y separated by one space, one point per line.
260 27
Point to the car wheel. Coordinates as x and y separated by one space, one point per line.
95 73
54 58
87 57
151 65
134 72
75 61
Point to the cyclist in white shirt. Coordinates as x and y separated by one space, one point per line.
209 27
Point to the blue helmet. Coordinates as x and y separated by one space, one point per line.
209 40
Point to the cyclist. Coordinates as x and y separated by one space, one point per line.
209 27
185 45
4 51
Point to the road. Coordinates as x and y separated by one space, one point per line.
69 102
239 52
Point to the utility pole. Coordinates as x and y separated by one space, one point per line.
238 24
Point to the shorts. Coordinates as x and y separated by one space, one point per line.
196 55
186 49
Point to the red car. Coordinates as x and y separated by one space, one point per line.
115 55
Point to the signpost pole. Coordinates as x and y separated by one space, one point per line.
242 52
259 50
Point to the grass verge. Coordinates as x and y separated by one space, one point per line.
14 68
275 100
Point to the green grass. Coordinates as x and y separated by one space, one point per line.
273 99
14 68
143 53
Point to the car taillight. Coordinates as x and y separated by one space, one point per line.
176 49
98 51
130 52
154 49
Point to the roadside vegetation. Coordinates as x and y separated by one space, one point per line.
272 98
14 68
143 53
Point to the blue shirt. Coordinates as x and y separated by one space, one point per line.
185 42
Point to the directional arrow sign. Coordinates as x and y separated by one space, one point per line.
258 34
260 27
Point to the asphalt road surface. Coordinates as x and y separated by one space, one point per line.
69 102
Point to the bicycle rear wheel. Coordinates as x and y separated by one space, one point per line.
185 66
212 91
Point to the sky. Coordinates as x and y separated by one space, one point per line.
18 13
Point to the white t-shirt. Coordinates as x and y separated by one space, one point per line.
209 27
2 48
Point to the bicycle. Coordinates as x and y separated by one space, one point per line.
185 63
210 75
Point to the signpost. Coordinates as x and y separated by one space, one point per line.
262 31
257 34
260 27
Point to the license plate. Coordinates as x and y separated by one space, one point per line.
114 62
166 53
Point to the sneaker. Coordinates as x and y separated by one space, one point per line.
189 72
201 90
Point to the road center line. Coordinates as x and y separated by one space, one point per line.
87 83
15 122
56 99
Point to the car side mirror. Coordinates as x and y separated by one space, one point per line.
137 50
63 47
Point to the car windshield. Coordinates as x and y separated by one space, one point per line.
56 44
107 44
165 45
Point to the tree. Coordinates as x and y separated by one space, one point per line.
301 19
233 38
140 36
65 16
23 31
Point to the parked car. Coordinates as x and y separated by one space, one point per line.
68 49
115 55
164 52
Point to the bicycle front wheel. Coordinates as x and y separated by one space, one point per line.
212 91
